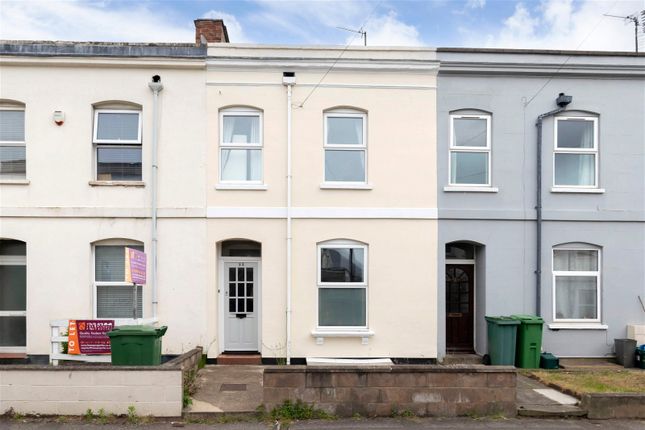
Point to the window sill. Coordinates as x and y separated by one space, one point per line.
14 182
13 355
242 187
321 334
471 189
577 190
345 186
577 326
117 184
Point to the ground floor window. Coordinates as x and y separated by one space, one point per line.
113 296
342 284
576 279
13 294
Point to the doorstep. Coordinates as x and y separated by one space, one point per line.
235 359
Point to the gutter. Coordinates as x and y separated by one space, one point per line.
562 102
156 87
289 80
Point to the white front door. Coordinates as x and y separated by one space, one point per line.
241 306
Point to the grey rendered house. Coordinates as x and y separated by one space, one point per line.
586 274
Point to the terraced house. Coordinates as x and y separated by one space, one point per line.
318 202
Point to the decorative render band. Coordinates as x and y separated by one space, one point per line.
322 213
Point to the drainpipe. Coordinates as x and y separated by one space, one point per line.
289 80
156 87
562 101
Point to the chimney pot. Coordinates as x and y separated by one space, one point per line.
211 30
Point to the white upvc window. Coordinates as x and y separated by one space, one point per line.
575 153
240 154
12 143
345 147
342 285
113 297
576 281
117 141
470 150
13 296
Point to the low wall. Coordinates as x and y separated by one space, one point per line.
380 391
72 389
614 405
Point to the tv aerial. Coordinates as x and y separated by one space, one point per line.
360 31
637 23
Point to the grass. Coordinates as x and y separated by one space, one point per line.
595 381
297 411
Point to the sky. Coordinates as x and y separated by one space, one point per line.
540 24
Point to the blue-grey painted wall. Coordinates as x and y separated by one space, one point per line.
503 222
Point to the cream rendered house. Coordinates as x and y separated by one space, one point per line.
295 206
320 195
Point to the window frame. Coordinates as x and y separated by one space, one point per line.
471 149
344 113
342 244
572 273
112 143
581 151
16 260
96 284
16 143
241 111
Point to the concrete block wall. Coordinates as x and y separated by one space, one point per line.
423 390
48 390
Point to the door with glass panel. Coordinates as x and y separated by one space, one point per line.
241 306
459 307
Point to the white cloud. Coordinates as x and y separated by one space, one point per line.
95 21
475 4
563 24
233 27
387 30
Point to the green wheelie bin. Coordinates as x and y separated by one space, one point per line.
529 341
136 345
502 332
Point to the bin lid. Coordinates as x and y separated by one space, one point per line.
137 330
528 319
502 320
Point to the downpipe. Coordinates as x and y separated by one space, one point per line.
156 87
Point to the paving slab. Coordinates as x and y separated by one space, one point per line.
227 389
535 399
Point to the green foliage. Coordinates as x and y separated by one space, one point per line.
202 362
132 416
298 411
189 387
89 415
101 416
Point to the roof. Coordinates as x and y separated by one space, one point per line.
543 52
38 48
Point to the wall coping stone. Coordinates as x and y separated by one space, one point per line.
399 368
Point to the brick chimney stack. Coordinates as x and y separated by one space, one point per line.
212 30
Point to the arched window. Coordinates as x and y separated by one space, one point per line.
470 148
345 146
240 146
576 283
13 295
12 140
114 298
117 140
342 284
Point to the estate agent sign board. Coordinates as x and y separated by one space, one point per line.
89 336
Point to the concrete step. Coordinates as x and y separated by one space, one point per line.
462 359
550 411
252 359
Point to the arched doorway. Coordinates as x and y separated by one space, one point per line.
460 297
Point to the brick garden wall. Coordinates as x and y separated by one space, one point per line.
378 391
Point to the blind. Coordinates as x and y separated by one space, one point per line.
118 126
110 262
116 301
12 125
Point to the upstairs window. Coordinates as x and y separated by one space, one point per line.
240 146
342 285
575 158
114 296
576 280
117 138
12 142
345 147
470 150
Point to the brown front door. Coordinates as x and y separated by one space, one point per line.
459 307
